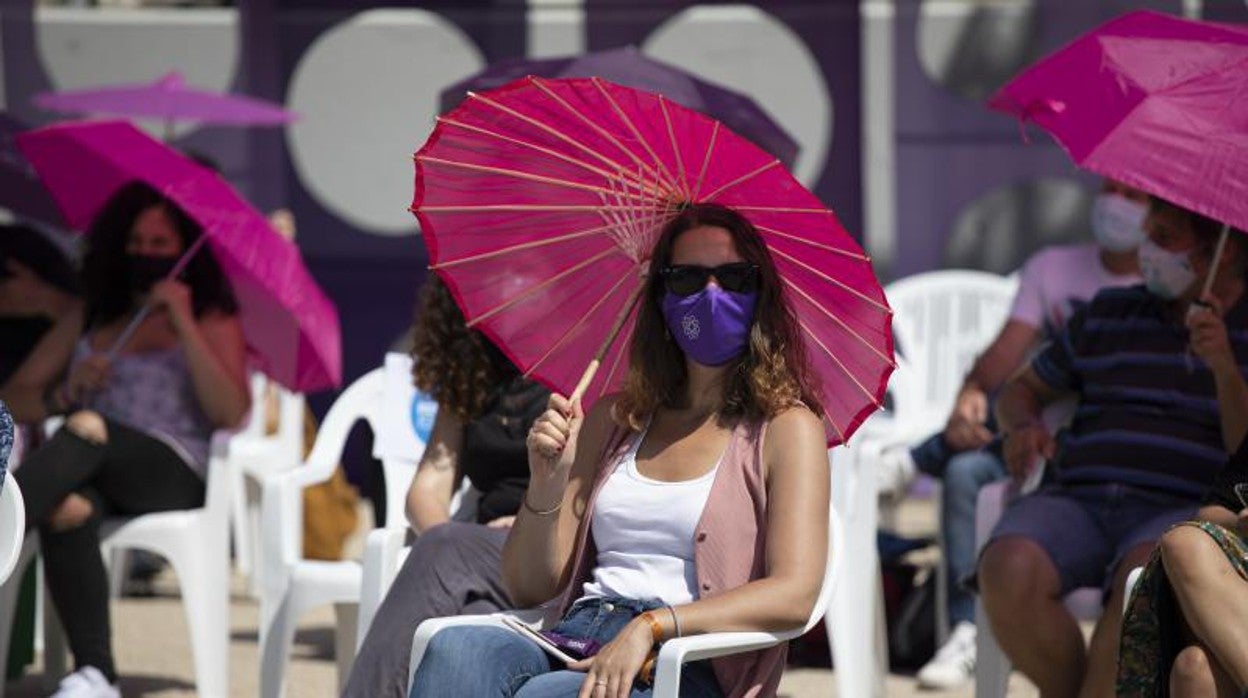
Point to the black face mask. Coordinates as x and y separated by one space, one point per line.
146 270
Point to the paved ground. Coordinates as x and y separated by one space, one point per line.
154 656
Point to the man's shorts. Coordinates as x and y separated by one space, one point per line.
1087 529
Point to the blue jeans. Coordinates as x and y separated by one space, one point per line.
965 474
488 661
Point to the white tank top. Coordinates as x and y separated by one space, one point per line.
643 530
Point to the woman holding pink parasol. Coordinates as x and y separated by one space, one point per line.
693 501
139 416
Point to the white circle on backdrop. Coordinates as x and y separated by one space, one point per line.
81 48
748 50
367 92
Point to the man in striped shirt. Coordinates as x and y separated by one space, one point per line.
1158 370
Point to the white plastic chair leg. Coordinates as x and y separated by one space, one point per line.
855 610
206 602
276 639
992 667
240 528
347 616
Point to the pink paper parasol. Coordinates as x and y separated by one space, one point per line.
540 203
1155 101
291 327
168 99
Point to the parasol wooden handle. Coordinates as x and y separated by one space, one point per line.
592 369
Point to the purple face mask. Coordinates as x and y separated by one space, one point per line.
711 326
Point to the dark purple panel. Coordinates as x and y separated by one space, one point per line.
831 31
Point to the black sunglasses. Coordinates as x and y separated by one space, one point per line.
688 279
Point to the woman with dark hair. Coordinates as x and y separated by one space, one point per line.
485 409
694 501
139 416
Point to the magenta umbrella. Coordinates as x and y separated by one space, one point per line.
1155 101
168 99
291 327
540 203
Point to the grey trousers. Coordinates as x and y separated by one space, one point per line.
453 569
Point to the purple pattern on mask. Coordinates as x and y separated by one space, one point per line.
711 326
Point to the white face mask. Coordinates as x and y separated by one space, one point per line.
1166 274
1118 222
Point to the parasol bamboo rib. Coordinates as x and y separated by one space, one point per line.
605 174
530 177
521 246
559 208
839 364
811 243
534 289
835 282
636 133
579 323
627 341
742 179
706 161
683 177
555 133
597 129
588 376
840 323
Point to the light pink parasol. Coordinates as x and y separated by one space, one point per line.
291 327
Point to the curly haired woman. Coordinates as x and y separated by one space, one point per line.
485 408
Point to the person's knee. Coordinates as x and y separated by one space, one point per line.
1182 550
968 472
88 425
73 511
1014 570
1192 666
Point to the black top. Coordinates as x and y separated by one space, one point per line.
18 336
1233 473
495 458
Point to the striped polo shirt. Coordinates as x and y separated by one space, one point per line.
1148 411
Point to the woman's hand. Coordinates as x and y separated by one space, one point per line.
174 296
88 376
552 450
965 429
1022 446
1208 335
611 672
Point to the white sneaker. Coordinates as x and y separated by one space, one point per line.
87 682
954 663
895 472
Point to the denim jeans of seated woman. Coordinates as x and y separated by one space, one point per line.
489 661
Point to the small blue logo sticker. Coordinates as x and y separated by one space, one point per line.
424 409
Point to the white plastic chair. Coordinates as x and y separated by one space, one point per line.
291 584
196 544
674 653
992 667
386 550
942 320
12 526
255 455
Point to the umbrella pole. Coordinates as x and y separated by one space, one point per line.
146 310
592 369
1217 257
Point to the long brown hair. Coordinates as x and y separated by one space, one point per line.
457 366
772 374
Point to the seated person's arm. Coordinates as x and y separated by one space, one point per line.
965 428
537 559
429 497
1210 342
24 391
1019 410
